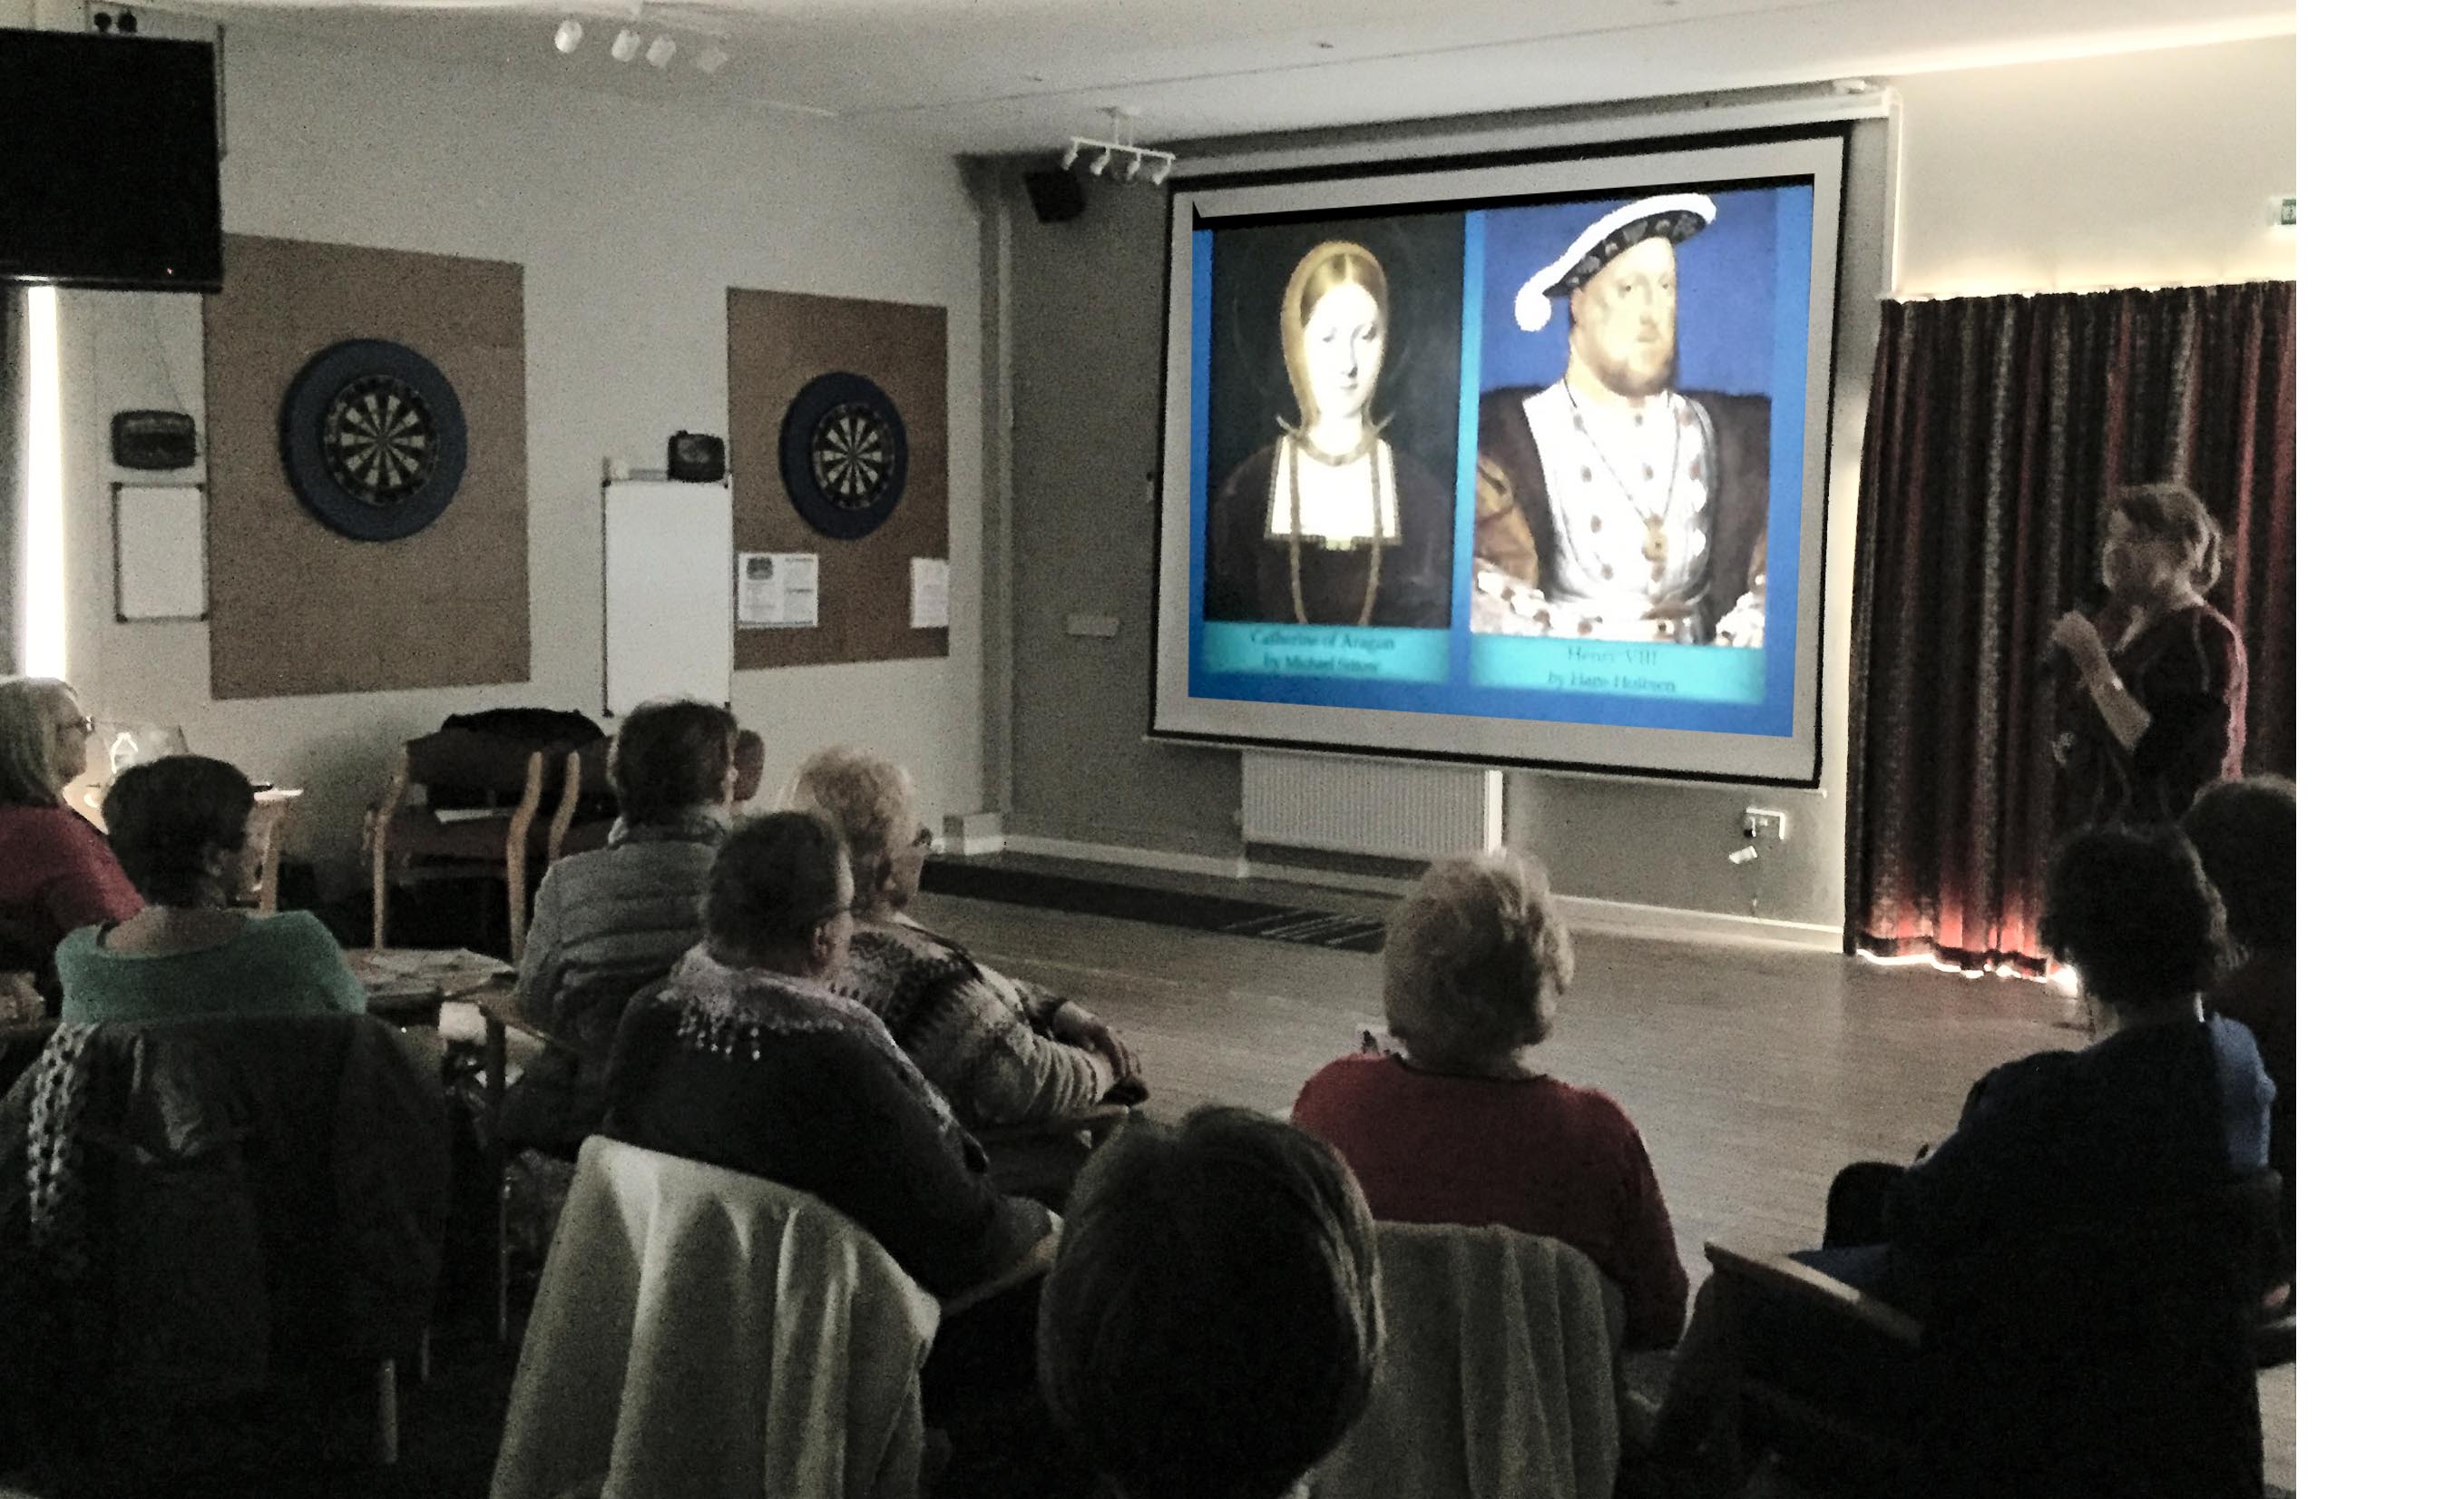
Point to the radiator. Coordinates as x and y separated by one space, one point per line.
1396 809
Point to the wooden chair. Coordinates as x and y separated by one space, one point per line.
2112 1356
408 841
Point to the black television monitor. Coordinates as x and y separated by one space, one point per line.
110 163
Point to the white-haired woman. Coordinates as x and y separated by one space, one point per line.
1005 1051
1459 1128
56 873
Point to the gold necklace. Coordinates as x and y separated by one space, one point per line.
1654 526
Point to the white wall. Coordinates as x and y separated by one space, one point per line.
2149 168
630 220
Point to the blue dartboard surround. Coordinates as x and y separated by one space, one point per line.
373 440
843 456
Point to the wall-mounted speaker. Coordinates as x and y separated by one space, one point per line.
696 458
1058 196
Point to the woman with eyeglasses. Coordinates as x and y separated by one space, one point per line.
1005 1051
56 873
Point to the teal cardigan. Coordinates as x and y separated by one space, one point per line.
286 964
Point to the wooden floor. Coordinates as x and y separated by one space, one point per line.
1753 1072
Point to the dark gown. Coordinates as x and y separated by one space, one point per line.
1248 573
2188 671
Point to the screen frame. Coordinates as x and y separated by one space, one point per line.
1818 152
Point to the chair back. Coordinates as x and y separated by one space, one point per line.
698 1331
751 754
2109 1355
1497 1377
215 1208
471 763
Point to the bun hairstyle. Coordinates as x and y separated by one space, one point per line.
1338 262
2173 510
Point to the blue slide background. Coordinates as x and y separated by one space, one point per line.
1743 285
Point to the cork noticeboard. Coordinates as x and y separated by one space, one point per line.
298 609
777 341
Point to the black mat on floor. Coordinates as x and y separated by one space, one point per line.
1161 907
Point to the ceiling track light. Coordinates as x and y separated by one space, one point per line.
663 51
569 37
627 44
1138 161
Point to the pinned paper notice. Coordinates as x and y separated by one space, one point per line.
778 590
928 593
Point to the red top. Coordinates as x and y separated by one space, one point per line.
1534 1154
56 874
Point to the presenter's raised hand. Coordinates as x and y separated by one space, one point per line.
2075 634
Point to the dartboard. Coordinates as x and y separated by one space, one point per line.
372 439
380 440
843 456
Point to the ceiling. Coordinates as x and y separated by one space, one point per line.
989 75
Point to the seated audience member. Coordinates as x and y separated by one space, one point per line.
2243 830
2167 1104
56 873
1210 1326
180 827
610 921
1005 1051
1460 1129
746 1058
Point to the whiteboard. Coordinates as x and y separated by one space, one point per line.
669 568
159 555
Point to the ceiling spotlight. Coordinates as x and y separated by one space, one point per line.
713 58
1162 166
629 42
569 37
1070 157
1104 162
662 52
1135 163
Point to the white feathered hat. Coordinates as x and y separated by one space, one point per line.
1674 216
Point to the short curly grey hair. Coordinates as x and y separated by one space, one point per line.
1476 956
870 798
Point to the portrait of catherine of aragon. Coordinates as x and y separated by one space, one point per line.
1328 523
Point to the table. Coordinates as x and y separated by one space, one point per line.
410 986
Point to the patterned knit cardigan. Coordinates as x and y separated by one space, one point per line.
985 1040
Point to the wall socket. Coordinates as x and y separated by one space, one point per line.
1764 826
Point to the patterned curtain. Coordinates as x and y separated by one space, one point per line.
1998 425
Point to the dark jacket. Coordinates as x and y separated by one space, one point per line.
191 1210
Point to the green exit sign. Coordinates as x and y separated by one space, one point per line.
2284 211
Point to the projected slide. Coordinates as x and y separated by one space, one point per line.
1516 463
